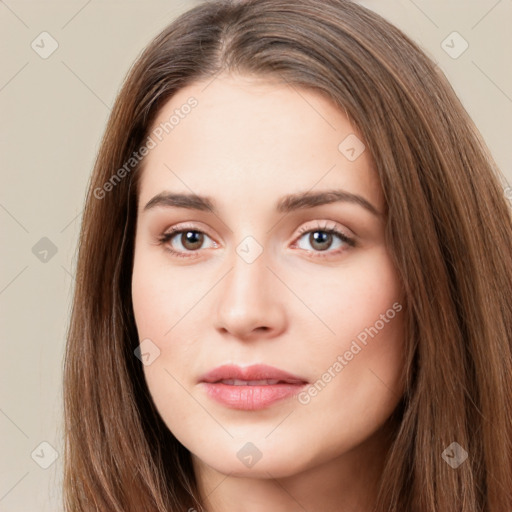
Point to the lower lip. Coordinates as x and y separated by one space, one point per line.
250 398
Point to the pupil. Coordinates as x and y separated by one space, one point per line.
192 237
320 237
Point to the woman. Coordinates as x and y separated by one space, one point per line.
294 278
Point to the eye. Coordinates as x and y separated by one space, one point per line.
186 242
179 240
323 238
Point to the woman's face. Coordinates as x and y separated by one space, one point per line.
254 176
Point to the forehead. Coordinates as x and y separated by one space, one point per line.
256 137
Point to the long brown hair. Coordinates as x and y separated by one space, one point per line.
449 230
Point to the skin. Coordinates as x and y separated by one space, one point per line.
246 144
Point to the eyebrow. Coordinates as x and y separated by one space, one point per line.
286 204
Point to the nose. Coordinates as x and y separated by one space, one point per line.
250 304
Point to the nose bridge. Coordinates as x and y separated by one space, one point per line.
248 298
247 282
248 259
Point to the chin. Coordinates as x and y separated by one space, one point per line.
259 459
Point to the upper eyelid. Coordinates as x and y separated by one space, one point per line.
321 225
326 225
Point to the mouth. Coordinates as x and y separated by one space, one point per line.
238 382
250 388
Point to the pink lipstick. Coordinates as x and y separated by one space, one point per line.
252 387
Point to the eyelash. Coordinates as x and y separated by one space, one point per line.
166 237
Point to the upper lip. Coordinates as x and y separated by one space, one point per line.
251 373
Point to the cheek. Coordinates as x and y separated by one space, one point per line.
159 299
152 305
354 299
159 303
359 364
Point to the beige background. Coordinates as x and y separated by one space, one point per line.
54 111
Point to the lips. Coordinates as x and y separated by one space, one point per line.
252 387
235 375
238 382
